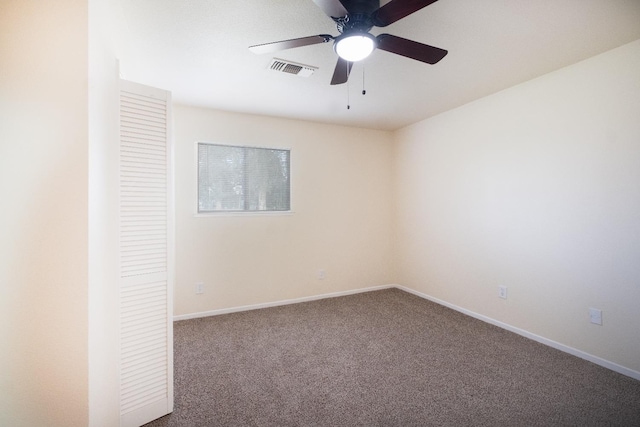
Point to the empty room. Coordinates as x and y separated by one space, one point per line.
218 213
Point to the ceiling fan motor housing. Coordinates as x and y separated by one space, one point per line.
354 42
354 22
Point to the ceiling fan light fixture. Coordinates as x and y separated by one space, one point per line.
355 46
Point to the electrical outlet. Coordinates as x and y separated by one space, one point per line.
199 288
322 274
595 316
502 292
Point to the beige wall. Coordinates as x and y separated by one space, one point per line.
341 188
43 219
536 188
103 302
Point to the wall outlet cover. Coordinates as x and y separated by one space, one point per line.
595 316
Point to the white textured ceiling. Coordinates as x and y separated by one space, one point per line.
198 49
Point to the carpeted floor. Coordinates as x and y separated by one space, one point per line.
384 358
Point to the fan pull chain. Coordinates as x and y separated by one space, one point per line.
364 92
348 101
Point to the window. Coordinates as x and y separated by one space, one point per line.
242 179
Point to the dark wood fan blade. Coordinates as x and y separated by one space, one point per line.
366 7
333 8
341 73
410 49
396 10
288 44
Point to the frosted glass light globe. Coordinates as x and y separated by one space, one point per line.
355 48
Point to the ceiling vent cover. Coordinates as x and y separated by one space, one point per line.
289 67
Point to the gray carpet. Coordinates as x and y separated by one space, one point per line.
384 358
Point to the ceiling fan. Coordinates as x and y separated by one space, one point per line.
354 19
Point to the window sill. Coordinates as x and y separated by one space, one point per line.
238 213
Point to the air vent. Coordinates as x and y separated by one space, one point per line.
289 67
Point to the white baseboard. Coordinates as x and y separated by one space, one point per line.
277 303
554 344
558 346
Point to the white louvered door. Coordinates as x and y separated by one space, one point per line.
146 254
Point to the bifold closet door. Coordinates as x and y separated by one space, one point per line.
146 254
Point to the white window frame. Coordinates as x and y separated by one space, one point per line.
196 205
